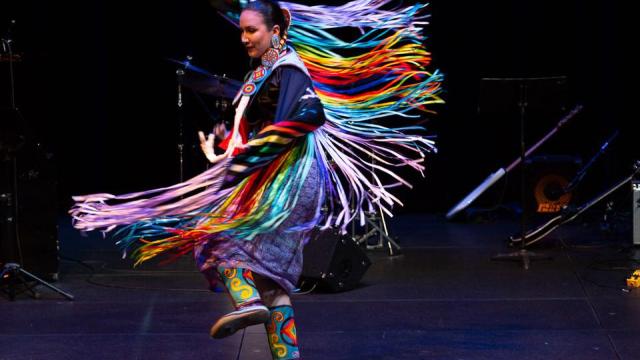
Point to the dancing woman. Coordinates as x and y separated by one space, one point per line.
289 165
281 109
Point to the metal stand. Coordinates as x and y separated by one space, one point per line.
522 255
12 272
14 275
179 80
375 224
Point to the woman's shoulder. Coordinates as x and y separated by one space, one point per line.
289 71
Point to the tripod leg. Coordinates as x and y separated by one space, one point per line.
363 238
390 246
33 293
42 282
390 242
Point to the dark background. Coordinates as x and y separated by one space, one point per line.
98 91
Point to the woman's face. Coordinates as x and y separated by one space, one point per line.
254 33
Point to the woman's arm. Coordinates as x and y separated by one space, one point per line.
298 112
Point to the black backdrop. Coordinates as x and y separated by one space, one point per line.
97 88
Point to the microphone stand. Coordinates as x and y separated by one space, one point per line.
12 273
7 47
179 76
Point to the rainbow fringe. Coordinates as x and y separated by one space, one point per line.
382 73
385 72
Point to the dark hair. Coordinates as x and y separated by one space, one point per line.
272 14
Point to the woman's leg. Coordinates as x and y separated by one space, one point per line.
281 328
249 307
272 294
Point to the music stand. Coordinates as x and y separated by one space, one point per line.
520 89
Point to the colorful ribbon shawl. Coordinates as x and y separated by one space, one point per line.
357 154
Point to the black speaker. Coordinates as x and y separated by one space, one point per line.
336 263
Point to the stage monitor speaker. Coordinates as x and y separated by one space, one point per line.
33 243
335 262
547 179
636 212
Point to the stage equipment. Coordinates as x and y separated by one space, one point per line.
549 188
13 275
199 81
203 82
29 199
375 225
580 175
636 212
12 129
334 262
562 190
524 99
498 174
22 218
633 281
569 214
548 178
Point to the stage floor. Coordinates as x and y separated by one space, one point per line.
443 298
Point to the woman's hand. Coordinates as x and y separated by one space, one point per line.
206 145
